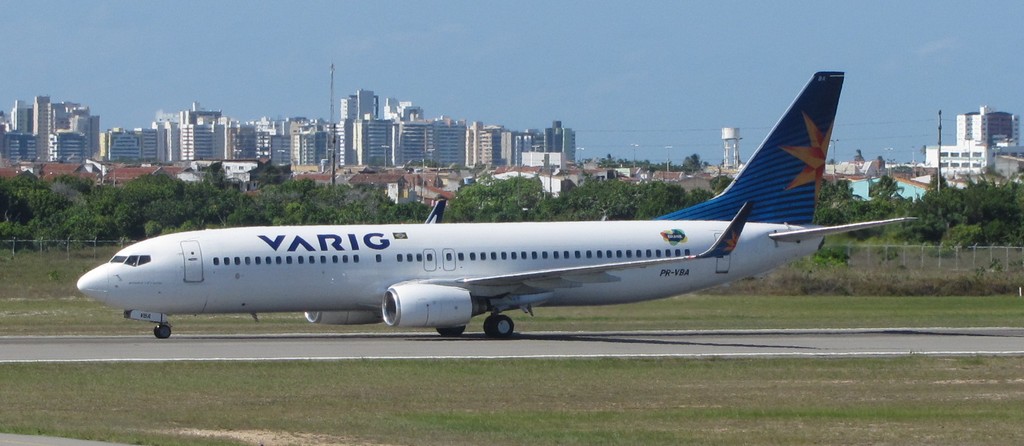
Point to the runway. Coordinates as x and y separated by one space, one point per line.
554 345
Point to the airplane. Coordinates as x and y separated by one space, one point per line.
442 275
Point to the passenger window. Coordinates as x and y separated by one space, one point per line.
334 259
301 259
379 258
344 259
323 259
565 255
629 254
430 257
248 261
555 254
544 254
288 260
534 255
238 261
448 256
578 254
355 259
590 254
408 257
523 253
472 256
400 258
461 257
258 260
216 261
312 260
600 254
504 255
419 257
279 260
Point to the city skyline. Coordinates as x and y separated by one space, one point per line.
654 75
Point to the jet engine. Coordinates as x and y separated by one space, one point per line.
343 317
428 305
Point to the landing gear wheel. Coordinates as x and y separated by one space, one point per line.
451 332
499 326
162 331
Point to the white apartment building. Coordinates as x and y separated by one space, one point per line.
980 137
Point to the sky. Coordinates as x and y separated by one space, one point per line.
665 76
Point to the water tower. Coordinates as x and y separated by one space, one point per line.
731 141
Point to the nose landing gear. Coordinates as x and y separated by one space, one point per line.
161 331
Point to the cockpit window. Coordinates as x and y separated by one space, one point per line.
137 260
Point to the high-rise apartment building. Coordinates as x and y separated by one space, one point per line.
67 146
202 134
42 121
449 142
987 128
562 140
309 143
483 145
21 117
372 143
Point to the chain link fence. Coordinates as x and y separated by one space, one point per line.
72 248
935 258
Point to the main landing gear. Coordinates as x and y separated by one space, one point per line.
496 326
499 326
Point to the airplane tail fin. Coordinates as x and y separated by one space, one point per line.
437 213
783 175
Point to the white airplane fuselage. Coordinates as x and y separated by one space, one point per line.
349 268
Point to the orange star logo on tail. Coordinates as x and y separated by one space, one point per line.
812 155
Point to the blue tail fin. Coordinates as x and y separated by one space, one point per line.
783 175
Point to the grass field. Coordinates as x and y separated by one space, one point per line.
908 400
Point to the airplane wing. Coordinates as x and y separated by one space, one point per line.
567 277
437 213
813 233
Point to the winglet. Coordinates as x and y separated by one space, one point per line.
437 213
727 242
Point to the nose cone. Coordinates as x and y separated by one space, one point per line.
94 283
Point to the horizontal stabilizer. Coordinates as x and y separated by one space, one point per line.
800 235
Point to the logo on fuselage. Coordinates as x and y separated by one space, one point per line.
674 236
327 242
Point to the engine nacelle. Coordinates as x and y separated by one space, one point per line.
343 317
427 305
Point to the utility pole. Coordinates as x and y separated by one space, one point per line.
331 140
938 172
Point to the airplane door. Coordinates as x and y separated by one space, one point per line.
448 259
429 260
722 263
193 261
